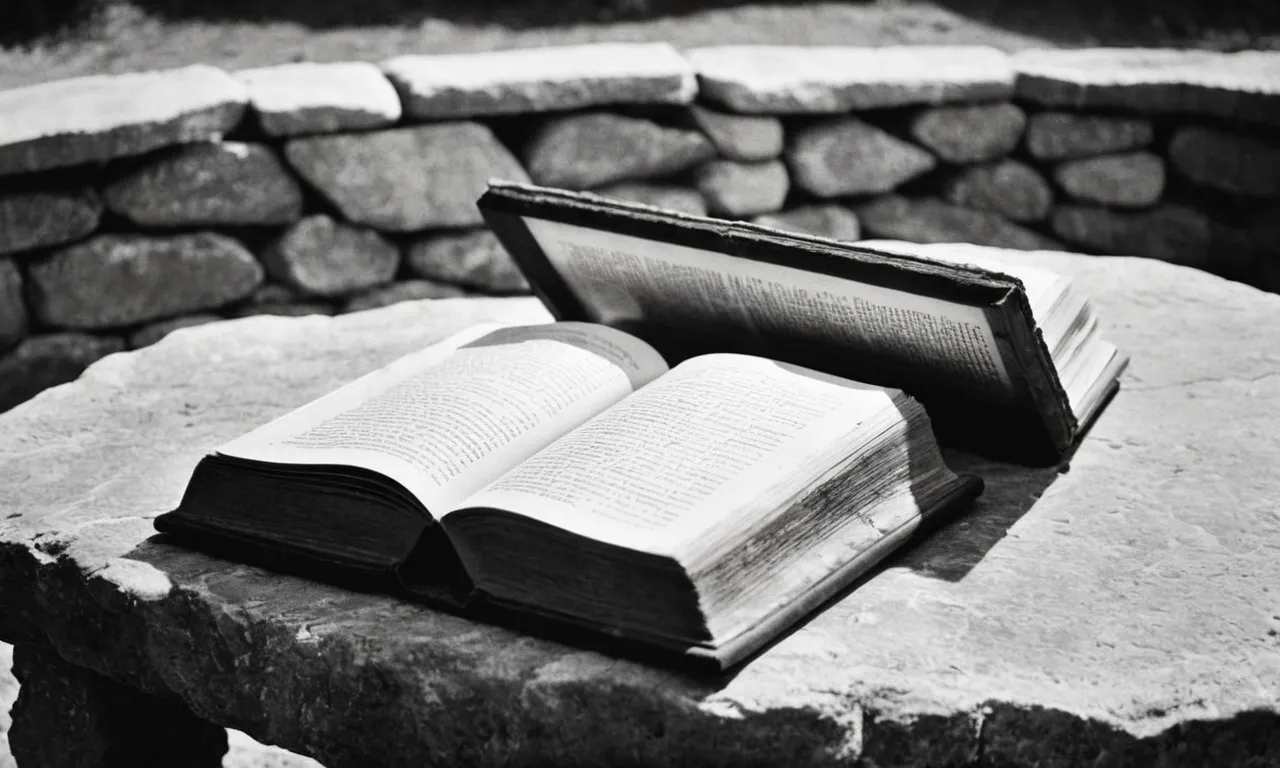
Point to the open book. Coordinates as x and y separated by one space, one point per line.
563 473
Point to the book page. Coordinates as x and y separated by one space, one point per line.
622 279
717 433
446 421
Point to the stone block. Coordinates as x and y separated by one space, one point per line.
475 259
1233 162
110 281
100 117
927 220
321 257
1066 135
523 81
45 361
670 197
969 133
13 307
211 183
1010 188
816 79
1169 232
739 190
824 220
1129 180
152 332
1240 86
37 216
312 97
845 156
746 138
600 148
406 179
405 290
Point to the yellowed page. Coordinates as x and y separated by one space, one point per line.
450 419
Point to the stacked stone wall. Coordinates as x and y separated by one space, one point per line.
133 205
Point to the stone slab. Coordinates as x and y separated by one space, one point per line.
527 80
780 79
312 97
99 117
1241 86
1121 613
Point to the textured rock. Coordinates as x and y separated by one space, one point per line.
322 257
825 220
927 220
600 148
746 138
45 361
1241 86
1130 180
153 332
407 178
816 79
1010 188
404 290
95 118
668 196
225 183
472 259
540 79
1247 165
1036 629
310 97
845 156
1170 232
1065 135
739 190
301 309
13 307
969 133
118 280
42 215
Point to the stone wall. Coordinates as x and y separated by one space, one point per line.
132 205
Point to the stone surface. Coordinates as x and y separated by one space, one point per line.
1129 180
1238 163
42 215
816 79
40 362
96 118
311 97
475 260
13 307
211 183
1039 628
151 333
119 280
406 179
1066 135
596 149
1172 233
528 80
275 293
1241 86
825 220
322 257
927 220
845 156
970 133
739 190
1010 188
300 309
404 290
747 138
668 196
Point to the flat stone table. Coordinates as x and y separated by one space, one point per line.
1125 612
